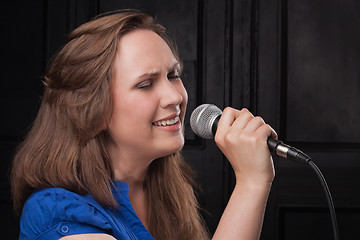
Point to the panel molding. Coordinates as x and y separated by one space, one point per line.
306 224
317 140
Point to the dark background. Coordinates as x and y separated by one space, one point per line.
295 63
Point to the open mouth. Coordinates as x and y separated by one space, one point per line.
167 122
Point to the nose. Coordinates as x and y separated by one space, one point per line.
170 95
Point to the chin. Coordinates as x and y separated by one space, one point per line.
172 148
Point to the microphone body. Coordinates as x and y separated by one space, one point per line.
204 120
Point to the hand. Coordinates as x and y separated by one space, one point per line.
243 139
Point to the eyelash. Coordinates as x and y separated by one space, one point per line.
174 75
148 83
144 85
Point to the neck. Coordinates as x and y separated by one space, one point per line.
129 167
132 169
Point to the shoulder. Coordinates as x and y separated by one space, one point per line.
89 236
56 212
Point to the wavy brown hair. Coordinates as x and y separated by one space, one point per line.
66 145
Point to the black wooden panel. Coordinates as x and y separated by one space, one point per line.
21 68
243 69
323 78
61 17
313 222
9 222
22 54
308 87
57 26
268 102
298 183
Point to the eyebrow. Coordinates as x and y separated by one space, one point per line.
155 72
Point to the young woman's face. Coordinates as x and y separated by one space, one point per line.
149 97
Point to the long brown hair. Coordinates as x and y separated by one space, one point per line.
66 147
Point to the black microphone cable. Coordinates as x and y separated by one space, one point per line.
204 120
328 198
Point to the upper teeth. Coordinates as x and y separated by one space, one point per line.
167 122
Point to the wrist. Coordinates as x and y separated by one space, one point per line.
253 186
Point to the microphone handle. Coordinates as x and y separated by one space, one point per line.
277 147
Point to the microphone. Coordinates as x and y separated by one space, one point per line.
204 120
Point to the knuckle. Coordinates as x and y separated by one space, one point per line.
217 138
266 127
253 138
230 138
245 110
259 119
227 110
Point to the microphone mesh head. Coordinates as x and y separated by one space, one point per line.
202 119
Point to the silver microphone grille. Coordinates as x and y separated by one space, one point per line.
202 119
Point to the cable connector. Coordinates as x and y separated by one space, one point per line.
286 151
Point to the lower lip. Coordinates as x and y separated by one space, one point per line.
171 128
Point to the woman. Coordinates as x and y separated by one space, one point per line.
102 160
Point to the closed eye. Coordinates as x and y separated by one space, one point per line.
174 75
145 84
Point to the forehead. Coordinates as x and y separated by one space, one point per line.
143 48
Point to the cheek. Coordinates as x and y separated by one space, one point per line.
135 108
130 117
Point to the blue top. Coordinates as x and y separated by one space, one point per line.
53 213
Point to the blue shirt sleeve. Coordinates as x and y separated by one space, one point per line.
54 213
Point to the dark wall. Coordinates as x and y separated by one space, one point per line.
295 63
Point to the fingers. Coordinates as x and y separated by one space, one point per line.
232 118
240 126
243 121
266 130
253 124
